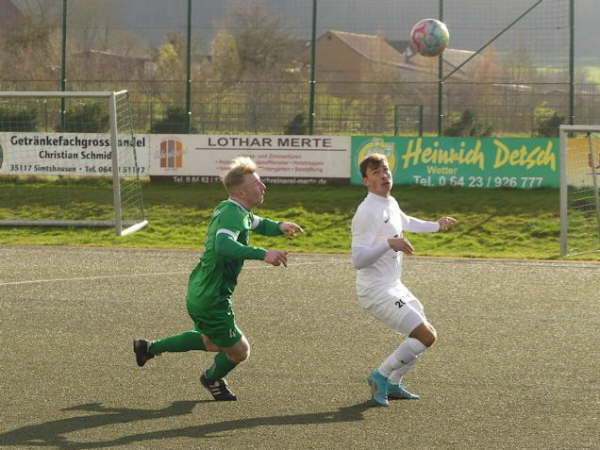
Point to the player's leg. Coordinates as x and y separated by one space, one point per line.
401 360
184 342
424 335
400 310
228 358
390 306
233 348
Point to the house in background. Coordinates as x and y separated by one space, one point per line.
133 67
351 57
389 74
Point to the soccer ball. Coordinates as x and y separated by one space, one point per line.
429 37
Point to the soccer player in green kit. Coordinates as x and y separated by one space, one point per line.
214 278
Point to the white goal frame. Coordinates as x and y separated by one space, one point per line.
122 228
564 131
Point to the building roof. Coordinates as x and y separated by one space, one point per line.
451 56
397 53
372 47
109 54
400 46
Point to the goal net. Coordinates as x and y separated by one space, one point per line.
70 159
579 189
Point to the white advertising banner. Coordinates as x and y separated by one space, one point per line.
281 159
79 154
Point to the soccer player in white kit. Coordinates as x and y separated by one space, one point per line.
377 248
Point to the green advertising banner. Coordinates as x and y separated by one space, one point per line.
470 162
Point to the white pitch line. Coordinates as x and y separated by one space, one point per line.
135 275
508 262
99 277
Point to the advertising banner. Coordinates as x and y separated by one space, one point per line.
78 154
281 159
469 162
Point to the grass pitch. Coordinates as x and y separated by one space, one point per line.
515 365
500 223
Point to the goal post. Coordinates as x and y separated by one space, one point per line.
579 189
90 170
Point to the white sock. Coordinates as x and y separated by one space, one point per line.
405 355
397 374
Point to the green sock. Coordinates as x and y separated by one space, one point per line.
221 367
186 341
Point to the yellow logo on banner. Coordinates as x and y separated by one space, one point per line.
525 157
378 145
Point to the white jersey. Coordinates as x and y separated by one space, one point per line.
376 220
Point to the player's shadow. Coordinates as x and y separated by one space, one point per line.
54 433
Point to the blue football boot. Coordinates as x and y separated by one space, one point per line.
379 388
399 392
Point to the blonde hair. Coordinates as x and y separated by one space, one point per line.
239 167
374 160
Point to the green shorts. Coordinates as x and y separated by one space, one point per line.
217 323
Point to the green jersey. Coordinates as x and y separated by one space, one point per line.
226 248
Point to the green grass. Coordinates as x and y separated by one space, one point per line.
592 74
492 223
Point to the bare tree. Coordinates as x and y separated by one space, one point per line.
90 24
30 49
262 40
226 64
269 56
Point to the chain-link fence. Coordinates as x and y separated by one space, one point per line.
245 67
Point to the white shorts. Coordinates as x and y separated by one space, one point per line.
395 306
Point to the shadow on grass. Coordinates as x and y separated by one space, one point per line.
54 433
